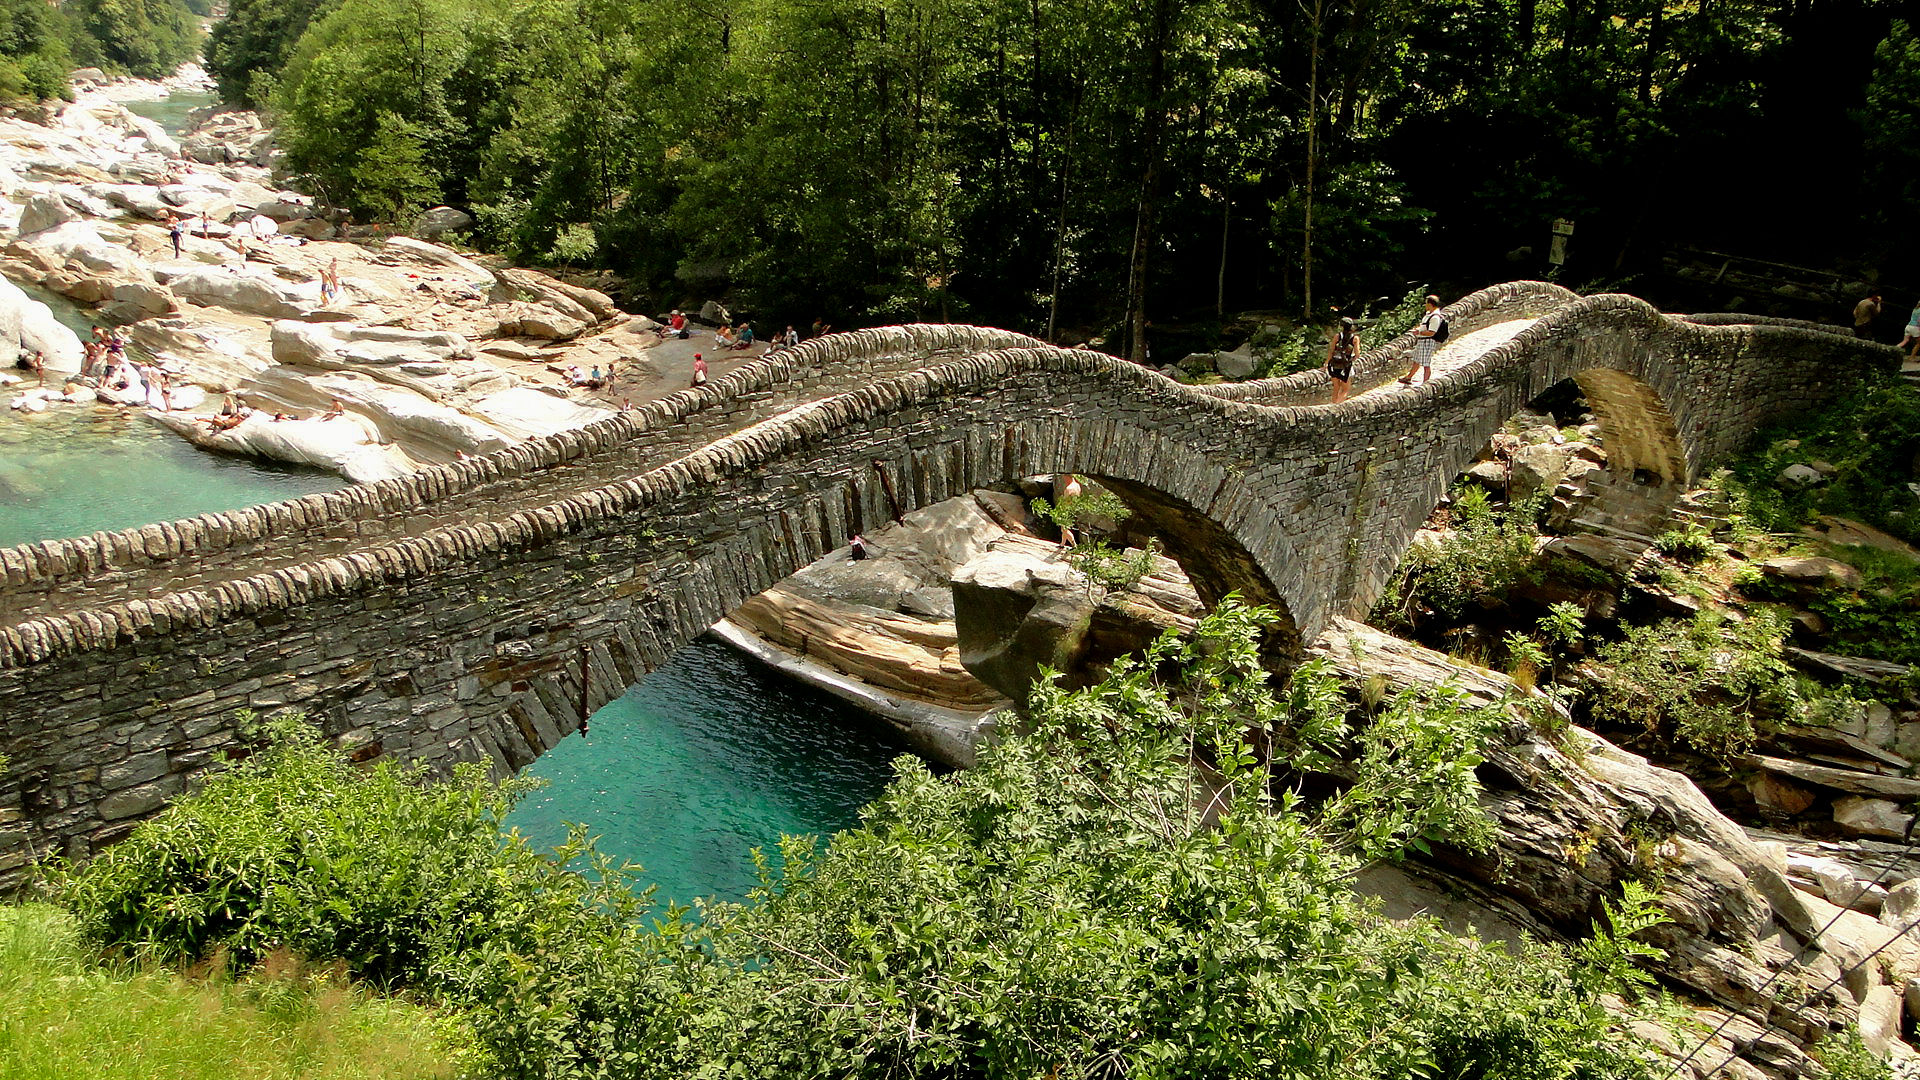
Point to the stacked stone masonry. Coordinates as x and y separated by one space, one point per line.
450 615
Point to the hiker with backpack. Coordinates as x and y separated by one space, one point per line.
1428 334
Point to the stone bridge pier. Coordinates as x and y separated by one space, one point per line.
478 610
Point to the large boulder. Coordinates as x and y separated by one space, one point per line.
1238 364
1810 572
80 247
249 293
1020 606
442 220
140 199
461 267
45 211
206 148
538 321
336 346
344 444
28 325
151 299
1538 467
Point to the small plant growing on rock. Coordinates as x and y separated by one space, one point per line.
1689 544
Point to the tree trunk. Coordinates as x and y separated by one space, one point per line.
1143 224
1226 222
1060 225
1316 17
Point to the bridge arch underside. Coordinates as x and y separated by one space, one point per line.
1648 461
472 645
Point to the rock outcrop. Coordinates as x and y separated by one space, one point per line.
239 305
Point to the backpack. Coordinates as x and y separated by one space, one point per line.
1440 332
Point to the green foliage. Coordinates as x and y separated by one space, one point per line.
1414 777
1611 956
34 56
69 1016
1706 681
1130 888
295 848
1485 555
574 245
1074 510
1844 1056
148 38
248 48
1564 624
1687 543
1111 568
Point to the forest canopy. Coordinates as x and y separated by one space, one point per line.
1066 167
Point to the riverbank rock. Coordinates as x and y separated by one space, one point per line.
441 220
27 325
244 291
1020 606
43 212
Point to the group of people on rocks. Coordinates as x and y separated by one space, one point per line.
234 412
728 336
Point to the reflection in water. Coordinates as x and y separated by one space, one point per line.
704 760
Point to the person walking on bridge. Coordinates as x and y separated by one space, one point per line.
1428 333
1342 351
1865 313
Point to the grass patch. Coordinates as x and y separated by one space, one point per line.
68 1016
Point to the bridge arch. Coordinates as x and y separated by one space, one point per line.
450 616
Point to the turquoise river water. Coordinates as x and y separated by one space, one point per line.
701 762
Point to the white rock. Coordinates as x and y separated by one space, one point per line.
29 325
1800 476
79 241
153 299
1880 1019
43 212
464 269
523 412
247 292
1870 817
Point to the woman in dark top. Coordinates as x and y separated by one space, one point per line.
1342 351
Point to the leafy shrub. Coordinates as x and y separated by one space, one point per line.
1687 543
1086 901
1706 680
1479 561
296 848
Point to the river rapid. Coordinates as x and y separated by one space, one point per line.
704 760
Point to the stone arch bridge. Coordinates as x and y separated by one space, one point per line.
476 610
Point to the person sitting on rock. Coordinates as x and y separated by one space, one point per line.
723 337
743 338
337 409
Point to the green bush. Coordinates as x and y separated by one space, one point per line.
1708 681
1129 889
1484 555
296 848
